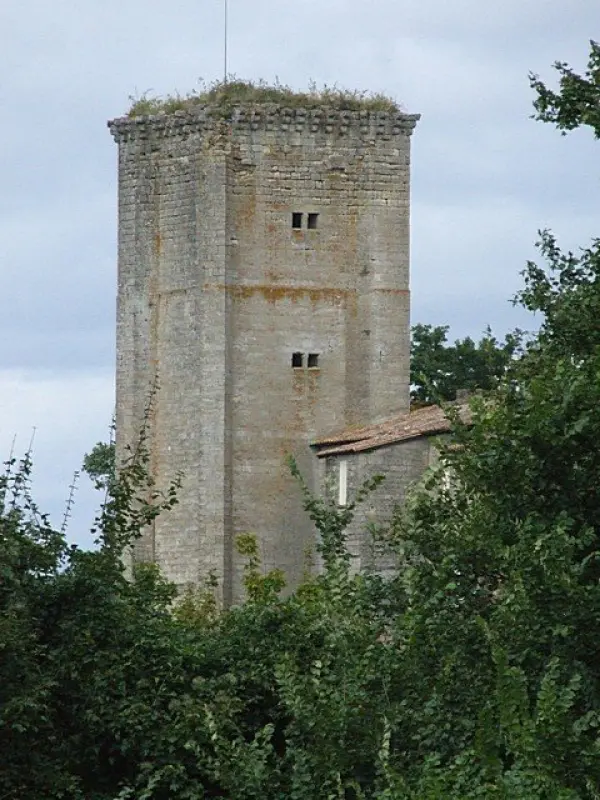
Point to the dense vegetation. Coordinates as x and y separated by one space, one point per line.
474 673
439 371
221 97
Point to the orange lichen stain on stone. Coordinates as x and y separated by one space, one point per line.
154 314
317 295
246 210
352 305
271 227
285 446
294 294
298 381
298 424
313 385
152 410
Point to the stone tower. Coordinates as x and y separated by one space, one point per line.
264 278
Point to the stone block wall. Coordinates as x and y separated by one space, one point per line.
402 464
221 282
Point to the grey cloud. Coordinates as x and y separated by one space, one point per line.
60 274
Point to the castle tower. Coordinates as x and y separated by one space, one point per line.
264 277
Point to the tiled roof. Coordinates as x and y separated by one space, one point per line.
401 427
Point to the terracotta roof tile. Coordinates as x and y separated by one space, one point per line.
400 427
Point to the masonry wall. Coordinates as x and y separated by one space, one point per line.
402 464
217 290
171 326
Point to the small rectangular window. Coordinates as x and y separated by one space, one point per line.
297 360
297 220
313 360
343 483
313 220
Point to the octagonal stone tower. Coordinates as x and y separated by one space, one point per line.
264 280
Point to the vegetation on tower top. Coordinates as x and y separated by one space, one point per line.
224 96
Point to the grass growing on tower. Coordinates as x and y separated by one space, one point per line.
224 96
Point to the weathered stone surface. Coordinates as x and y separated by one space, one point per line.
402 464
216 293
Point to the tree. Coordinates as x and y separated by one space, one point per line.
74 634
500 664
438 370
577 102
504 590
100 464
108 693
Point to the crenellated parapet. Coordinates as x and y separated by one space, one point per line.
269 118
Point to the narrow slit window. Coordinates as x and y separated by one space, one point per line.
343 483
297 360
297 220
447 479
313 222
313 360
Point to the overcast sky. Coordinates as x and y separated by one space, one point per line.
485 176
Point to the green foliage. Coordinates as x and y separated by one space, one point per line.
110 689
199 606
503 574
222 97
577 101
99 464
259 588
70 625
438 370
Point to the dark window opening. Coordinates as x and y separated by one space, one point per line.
312 222
297 220
297 360
313 360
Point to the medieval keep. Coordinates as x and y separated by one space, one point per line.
264 284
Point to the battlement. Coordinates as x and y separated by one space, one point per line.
246 118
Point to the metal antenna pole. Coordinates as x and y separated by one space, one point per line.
225 47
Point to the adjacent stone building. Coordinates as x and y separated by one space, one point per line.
401 448
264 283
